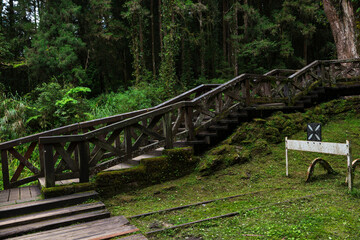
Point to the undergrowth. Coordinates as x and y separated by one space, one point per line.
276 207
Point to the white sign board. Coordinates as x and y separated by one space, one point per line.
320 147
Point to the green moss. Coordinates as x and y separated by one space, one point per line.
222 157
255 138
173 164
67 189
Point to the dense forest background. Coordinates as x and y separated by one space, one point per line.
69 60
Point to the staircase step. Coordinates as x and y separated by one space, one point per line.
46 204
218 127
53 223
206 134
243 114
196 142
50 214
228 121
100 229
60 182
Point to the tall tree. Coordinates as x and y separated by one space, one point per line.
341 17
55 47
170 44
136 15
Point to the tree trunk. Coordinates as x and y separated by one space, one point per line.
343 28
160 29
236 45
11 18
1 14
202 42
224 29
153 39
246 22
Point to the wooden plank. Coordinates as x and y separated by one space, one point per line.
107 146
23 160
84 153
4 195
26 157
66 156
24 181
88 230
167 128
51 214
14 194
149 132
42 205
151 125
5 169
25 193
35 191
188 123
49 166
53 223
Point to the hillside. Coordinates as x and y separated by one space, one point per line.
270 205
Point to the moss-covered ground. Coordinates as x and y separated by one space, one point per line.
321 209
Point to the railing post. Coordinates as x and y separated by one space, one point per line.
42 161
49 166
168 130
189 123
84 156
128 143
323 76
247 92
5 169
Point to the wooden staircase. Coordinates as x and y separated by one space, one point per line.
200 117
57 213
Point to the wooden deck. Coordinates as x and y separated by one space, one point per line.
100 229
19 195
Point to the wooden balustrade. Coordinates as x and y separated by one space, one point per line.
13 150
82 149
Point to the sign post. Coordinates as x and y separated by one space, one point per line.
314 132
321 147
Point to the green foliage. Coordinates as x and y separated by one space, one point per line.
55 46
13 112
269 204
135 98
137 16
167 72
254 139
73 106
55 106
5 53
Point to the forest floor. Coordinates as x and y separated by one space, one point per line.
274 207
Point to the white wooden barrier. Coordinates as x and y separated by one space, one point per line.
343 149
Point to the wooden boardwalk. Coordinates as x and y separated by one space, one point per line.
19 195
100 229
64 217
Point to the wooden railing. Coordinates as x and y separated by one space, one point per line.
96 145
22 149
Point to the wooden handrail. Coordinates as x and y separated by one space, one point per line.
160 125
116 118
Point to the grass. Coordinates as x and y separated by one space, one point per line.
331 212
